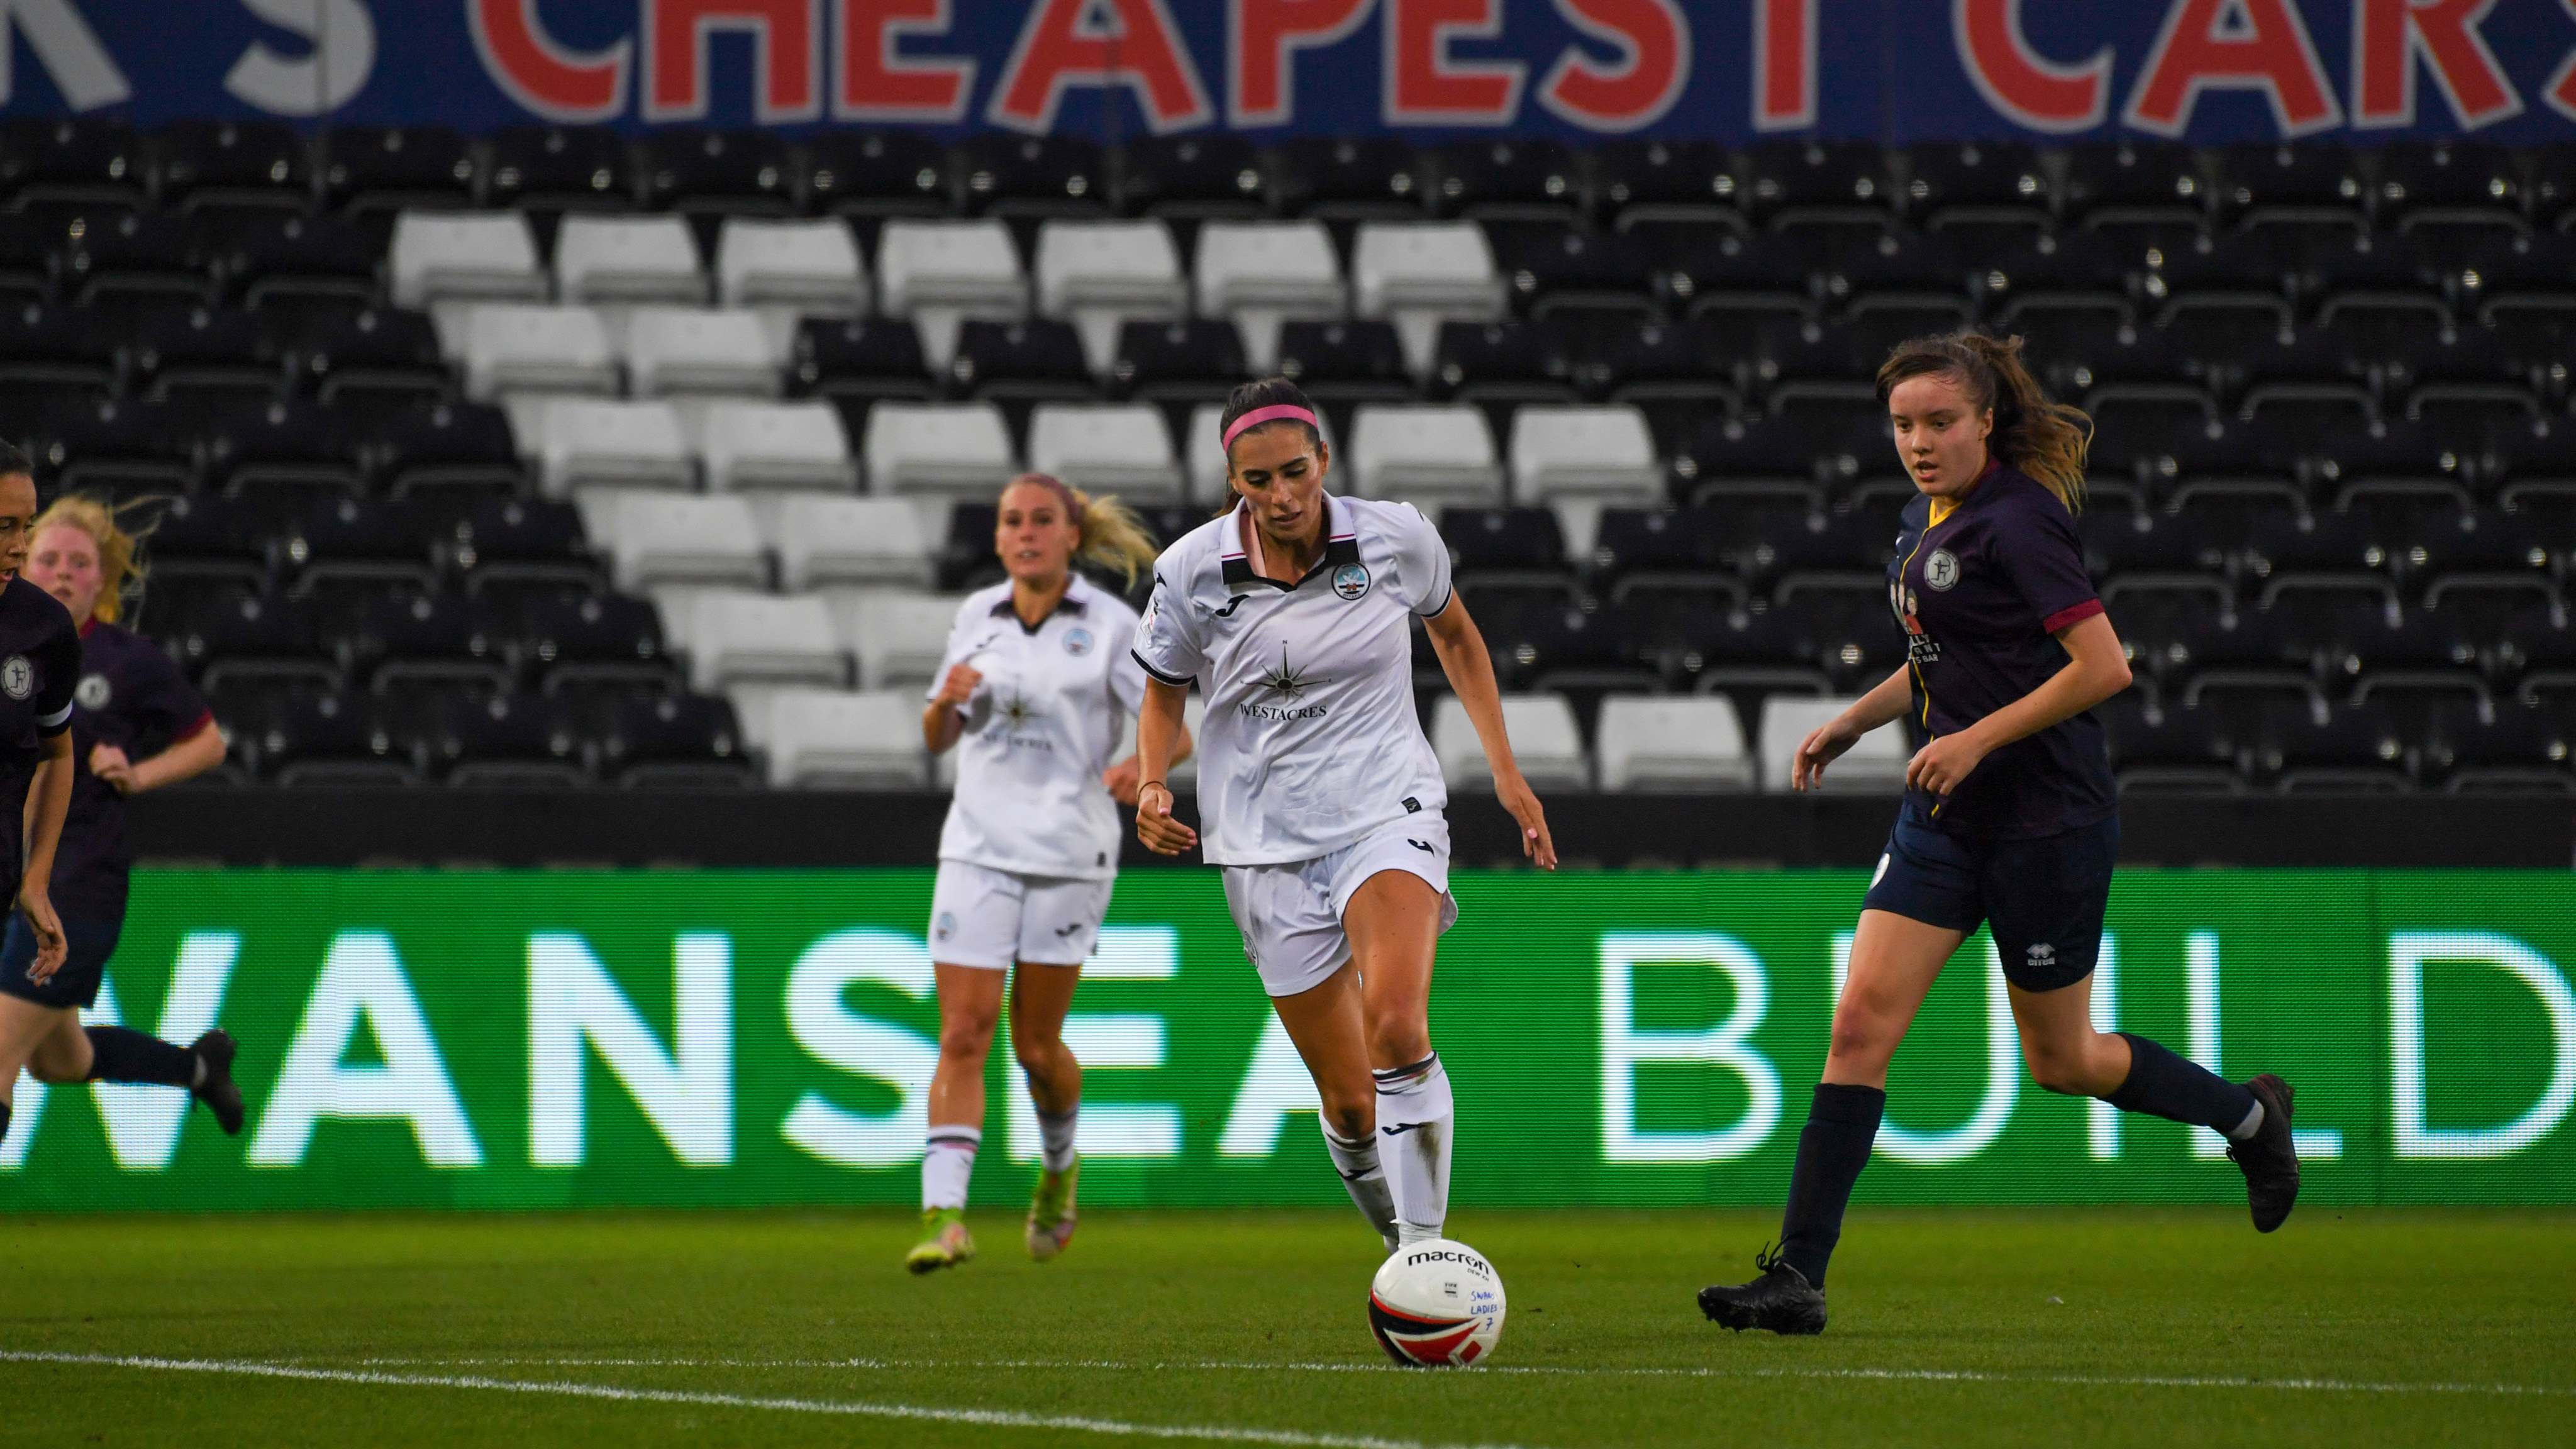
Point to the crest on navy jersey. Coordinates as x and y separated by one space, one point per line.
17 677
1941 570
1351 580
1077 641
93 692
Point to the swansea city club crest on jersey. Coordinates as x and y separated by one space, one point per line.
17 677
1351 580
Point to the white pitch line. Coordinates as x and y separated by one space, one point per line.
988 1418
1976 1376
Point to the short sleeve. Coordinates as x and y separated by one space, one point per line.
2044 559
1421 562
1167 637
60 660
959 633
161 702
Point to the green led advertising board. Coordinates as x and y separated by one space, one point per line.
541 1040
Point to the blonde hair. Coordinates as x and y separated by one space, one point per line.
1112 536
2044 439
117 566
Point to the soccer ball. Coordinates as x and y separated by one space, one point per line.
1437 1304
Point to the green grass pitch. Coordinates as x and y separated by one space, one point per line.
2101 1327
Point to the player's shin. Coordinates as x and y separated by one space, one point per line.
121 1054
1356 1159
2162 1084
1833 1147
1415 1119
948 1163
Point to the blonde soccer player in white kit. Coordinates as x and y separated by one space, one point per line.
1319 795
1033 695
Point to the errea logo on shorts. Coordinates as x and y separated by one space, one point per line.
2041 955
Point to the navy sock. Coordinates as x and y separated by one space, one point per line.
1832 1149
118 1054
2161 1084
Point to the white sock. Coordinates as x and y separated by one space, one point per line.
947 1165
2252 1124
1362 1173
1055 1138
1415 1115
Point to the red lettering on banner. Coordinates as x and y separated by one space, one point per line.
876 83
2022 85
1424 87
1656 40
2389 36
1784 64
2233 45
540 75
1262 42
2561 90
1100 43
787 39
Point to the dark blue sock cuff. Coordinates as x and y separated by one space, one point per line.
1849 1105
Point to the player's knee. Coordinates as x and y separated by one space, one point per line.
1035 1051
2067 1071
965 1036
1350 1117
1859 1041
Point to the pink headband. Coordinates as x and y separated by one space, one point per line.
1072 505
1278 413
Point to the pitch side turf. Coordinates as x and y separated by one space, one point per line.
2097 1327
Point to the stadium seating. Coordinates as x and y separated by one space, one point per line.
411 390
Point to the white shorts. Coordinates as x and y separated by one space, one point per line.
1291 914
985 917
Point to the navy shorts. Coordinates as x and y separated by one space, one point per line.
2044 897
91 942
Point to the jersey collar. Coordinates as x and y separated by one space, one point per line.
1341 546
1074 602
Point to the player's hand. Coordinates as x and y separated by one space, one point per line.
958 687
1121 780
110 765
1826 744
1942 764
39 911
1154 823
1518 798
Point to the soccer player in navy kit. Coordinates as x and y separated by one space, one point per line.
136 726
1032 695
2010 817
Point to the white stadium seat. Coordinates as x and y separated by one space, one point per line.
1261 273
1875 764
627 259
752 445
593 442
899 638
1099 274
825 540
455 256
1418 275
743 636
836 740
527 347
1427 452
1676 742
812 266
1112 448
675 538
1605 452
937 448
969 264
1545 741
699 350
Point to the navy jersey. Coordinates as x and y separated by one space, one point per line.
1980 595
40 661
131 696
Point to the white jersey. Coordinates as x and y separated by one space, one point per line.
1311 740
1039 731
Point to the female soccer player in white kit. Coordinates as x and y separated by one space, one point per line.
1033 695
1319 794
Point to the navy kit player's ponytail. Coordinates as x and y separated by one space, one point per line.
2044 439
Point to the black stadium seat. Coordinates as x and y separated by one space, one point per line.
369 169
878 173
733 172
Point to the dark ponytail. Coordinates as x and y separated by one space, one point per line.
2044 439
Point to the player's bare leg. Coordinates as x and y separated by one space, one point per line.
1040 997
1393 921
1327 1026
